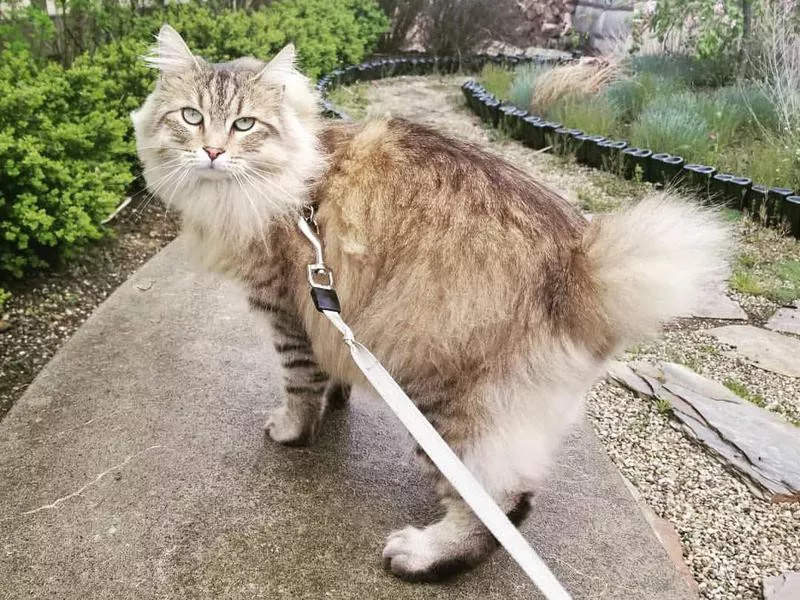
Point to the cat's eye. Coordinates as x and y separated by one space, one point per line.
192 116
244 123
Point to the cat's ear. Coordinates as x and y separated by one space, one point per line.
171 55
281 66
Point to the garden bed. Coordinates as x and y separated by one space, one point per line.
663 119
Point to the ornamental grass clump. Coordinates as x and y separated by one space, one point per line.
587 76
672 125
591 113
524 83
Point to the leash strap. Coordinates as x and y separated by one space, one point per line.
470 489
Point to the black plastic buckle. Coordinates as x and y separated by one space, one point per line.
325 299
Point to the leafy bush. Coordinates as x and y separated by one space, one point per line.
707 29
327 33
65 163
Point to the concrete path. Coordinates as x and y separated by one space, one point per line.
135 467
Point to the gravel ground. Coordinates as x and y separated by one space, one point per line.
45 311
730 539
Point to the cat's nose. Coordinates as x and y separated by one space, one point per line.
213 152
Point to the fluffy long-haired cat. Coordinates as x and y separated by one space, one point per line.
493 303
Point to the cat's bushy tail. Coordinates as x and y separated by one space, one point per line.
651 262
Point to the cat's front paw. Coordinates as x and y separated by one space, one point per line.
288 428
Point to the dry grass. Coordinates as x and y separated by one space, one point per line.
587 76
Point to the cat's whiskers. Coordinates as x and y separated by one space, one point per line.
236 176
271 182
253 178
170 178
186 170
165 165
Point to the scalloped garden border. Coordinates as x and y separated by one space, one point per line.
771 206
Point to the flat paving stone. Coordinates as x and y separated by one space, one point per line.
759 446
716 304
134 467
765 349
786 320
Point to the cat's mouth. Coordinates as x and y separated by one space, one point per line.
212 171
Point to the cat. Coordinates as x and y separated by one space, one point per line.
493 302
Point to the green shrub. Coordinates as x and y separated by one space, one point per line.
689 70
725 117
774 161
327 33
667 126
628 97
129 80
757 111
65 163
708 30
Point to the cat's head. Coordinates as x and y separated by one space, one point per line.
230 145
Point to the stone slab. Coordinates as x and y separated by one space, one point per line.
765 349
134 467
759 446
786 320
715 304
785 586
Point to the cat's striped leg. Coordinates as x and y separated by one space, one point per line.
297 422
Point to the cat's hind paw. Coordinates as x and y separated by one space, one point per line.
417 555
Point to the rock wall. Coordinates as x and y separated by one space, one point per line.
545 20
604 22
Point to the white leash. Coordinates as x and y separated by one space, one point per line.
481 503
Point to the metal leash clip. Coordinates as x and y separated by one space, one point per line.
322 293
